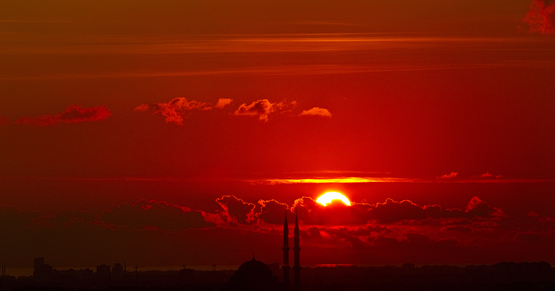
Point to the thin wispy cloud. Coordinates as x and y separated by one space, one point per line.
72 114
236 43
298 70
336 180
282 181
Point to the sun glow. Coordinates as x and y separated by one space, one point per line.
328 197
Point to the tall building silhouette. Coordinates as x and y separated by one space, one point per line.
117 271
38 264
285 249
41 271
103 272
297 260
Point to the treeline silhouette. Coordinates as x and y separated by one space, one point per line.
501 276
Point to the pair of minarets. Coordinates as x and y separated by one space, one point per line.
297 253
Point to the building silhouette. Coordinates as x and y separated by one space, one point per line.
296 253
117 271
285 249
41 271
103 272
255 275
297 258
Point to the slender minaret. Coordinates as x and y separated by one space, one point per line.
297 253
285 249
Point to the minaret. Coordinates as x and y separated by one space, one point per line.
285 249
297 252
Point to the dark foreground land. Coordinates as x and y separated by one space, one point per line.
502 276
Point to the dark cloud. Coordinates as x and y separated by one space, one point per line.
541 17
162 228
382 241
303 205
333 235
313 232
370 229
236 210
151 214
4 120
459 228
478 208
413 241
466 225
342 232
13 219
263 108
70 218
531 236
176 110
462 221
335 213
72 114
339 232
396 211
272 212
390 211
356 243
546 219
533 214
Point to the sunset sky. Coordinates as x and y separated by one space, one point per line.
169 133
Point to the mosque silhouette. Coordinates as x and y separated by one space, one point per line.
255 275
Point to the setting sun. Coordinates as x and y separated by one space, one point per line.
328 197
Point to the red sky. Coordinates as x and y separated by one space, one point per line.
178 132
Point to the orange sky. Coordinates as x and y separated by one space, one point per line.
186 102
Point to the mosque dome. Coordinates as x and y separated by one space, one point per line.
254 268
254 275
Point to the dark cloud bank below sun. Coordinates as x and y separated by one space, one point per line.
388 232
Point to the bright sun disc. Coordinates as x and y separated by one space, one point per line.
329 196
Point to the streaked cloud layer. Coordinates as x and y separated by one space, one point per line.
324 51
269 43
